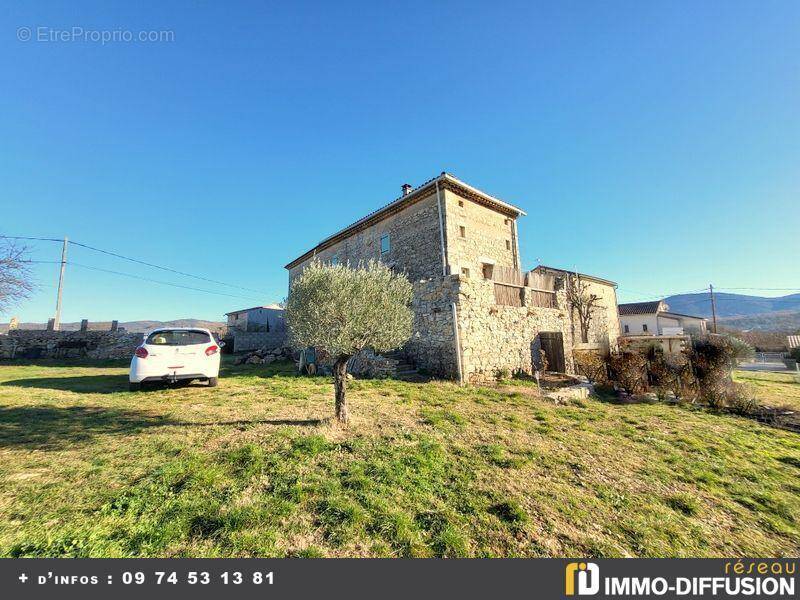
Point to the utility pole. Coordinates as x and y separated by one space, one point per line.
57 322
713 307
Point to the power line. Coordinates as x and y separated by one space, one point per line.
141 262
40 239
177 285
135 260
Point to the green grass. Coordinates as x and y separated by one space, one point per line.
773 389
255 467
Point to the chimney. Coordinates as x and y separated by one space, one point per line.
407 189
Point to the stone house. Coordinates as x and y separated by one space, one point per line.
257 319
476 314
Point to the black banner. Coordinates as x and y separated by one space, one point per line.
376 578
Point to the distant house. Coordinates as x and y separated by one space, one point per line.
257 319
655 318
793 341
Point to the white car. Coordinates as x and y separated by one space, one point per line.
176 354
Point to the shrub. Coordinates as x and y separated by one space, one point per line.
591 364
713 357
669 372
503 374
629 369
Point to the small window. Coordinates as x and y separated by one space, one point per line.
644 327
627 329
385 244
335 261
488 271
461 203
462 231
507 221
508 244
465 272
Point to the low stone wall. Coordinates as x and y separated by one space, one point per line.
368 364
245 341
98 345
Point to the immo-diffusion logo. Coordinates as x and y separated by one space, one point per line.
760 578
588 576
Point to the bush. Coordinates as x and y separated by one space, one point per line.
629 369
742 401
713 357
670 373
591 364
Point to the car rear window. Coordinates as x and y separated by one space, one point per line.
175 337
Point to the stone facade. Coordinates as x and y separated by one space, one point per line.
497 338
414 243
453 241
98 345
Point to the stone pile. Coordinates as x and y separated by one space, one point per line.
265 356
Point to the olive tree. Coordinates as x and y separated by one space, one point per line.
342 310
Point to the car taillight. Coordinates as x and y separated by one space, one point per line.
141 352
211 350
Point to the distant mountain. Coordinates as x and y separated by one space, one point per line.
732 305
133 326
785 321
739 311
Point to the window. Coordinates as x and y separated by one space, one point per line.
335 260
627 329
462 231
465 272
644 326
177 337
385 244
461 203
507 221
488 271
508 244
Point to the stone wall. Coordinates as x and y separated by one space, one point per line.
244 341
432 345
488 236
414 241
98 345
368 364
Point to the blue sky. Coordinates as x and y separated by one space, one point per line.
655 144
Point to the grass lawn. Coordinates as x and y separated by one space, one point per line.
254 468
773 389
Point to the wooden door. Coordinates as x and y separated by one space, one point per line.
553 346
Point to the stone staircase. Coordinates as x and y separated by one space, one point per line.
405 369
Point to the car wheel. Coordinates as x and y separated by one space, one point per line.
135 387
212 382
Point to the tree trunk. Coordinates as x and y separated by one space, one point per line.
340 383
